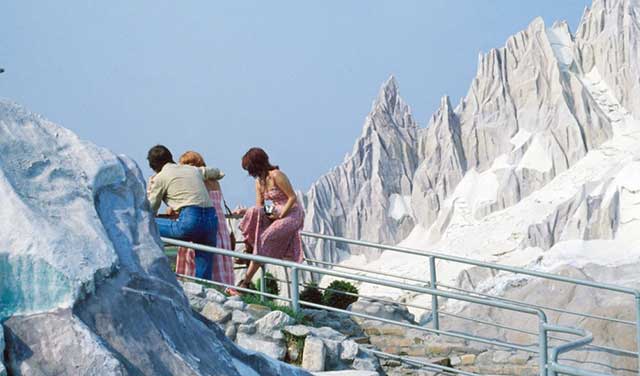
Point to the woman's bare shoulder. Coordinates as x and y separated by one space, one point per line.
277 174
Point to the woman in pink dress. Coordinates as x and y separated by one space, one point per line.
273 233
222 270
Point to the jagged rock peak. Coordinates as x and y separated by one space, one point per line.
391 103
367 195
610 5
594 19
445 104
444 114
388 92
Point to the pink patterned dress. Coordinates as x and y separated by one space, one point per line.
279 238
222 265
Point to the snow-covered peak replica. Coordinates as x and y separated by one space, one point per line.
537 167
368 195
84 285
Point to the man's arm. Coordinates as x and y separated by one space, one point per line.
156 192
211 173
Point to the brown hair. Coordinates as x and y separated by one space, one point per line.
256 163
159 156
192 158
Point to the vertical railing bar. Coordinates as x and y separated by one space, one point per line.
434 298
638 328
543 347
263 283
295 295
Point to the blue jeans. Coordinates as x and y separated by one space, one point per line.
198 225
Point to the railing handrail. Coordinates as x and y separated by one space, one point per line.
437 255
597 317
618 351
381 282
434 292
463 260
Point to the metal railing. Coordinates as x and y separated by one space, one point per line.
433 282
546 366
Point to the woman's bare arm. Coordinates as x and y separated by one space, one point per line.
282 182
259 195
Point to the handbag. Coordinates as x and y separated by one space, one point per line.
232 234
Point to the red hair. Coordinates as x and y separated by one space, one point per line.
256 163
192 158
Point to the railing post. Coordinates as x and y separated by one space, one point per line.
295 296
638 327
434 299
263 283
543 347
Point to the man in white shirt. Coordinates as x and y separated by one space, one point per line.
182 188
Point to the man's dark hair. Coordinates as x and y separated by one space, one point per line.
159 156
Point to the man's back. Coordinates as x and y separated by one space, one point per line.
179 186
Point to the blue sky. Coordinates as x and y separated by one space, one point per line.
294 77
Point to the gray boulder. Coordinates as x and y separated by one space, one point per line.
366 361
273 349
239 317
349 350
313 355
215 296
216 313
193 289
385 310
275 320
234 304
297 330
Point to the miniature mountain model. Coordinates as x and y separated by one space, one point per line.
538 166
542 150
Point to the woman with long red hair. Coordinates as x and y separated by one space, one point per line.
271 231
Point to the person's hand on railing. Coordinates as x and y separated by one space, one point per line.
239 211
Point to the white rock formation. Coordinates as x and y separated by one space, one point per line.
527 117
368 195
538 108
607 41
85 286
536 167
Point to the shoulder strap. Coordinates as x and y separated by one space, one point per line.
226 207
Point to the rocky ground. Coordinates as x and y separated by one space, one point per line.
319 340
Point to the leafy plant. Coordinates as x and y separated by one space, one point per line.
311 293
334 295
296 343
271 285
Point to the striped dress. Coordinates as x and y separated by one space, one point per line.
222 265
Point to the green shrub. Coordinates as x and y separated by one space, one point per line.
334 297
271 285
311 293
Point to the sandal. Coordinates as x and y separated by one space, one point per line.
234 292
